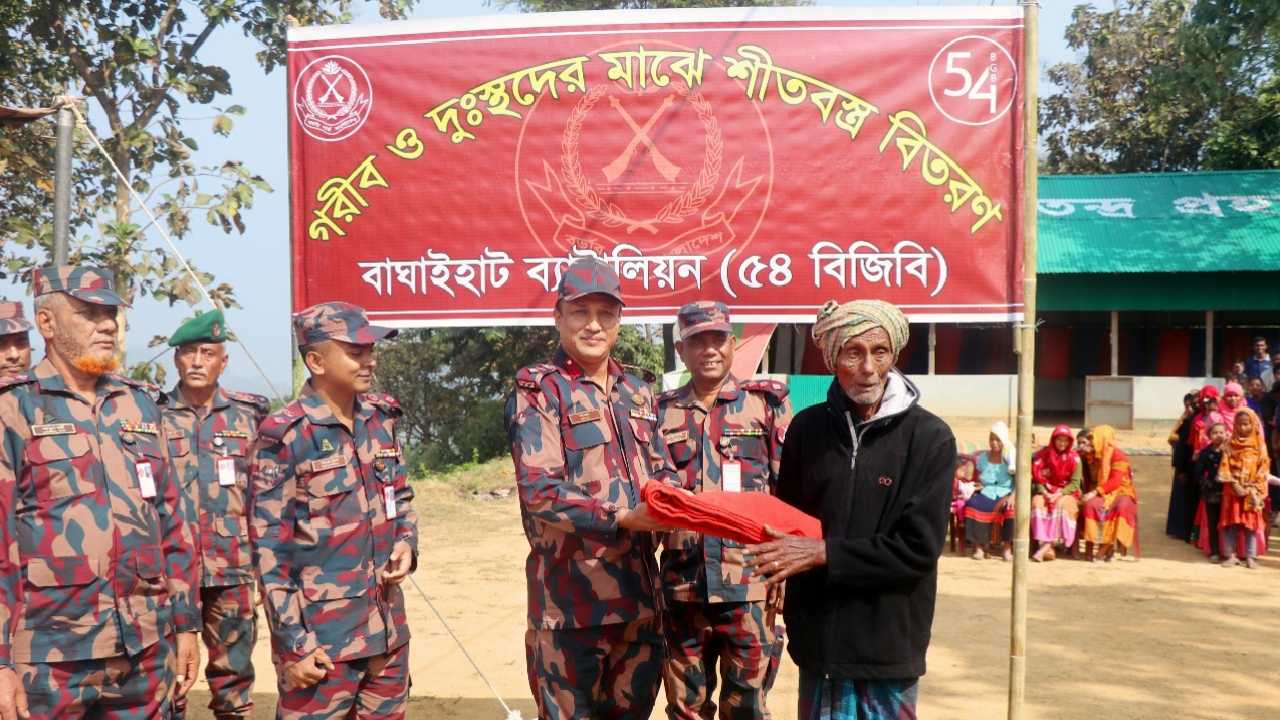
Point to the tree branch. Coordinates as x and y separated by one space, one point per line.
143 118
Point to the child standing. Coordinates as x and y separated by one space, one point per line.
1206 475
1243 475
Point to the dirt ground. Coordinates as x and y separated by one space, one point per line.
1167 636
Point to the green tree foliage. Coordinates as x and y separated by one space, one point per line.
143 66
1166 85
452 384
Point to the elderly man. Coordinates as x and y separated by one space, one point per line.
876 468
15 340
97 614
210 431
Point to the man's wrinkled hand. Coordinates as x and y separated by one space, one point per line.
785 555
13 698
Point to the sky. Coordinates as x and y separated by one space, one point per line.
257 263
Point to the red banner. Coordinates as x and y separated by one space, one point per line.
444 172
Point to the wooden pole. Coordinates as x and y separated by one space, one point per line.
933 348
1208 344
1115 343
1026 365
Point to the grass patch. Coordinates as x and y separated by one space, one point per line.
474 477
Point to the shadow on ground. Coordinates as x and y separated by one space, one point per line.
420 708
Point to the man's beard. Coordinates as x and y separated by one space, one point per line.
867 397
87 362
96 364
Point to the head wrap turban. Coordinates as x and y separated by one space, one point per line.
837 324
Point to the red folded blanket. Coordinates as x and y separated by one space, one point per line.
737 516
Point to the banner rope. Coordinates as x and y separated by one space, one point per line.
169 241
511 714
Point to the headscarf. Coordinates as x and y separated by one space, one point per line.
836 324
1245 461
1227 412
1103 440
1008 452
1052 468
1205 419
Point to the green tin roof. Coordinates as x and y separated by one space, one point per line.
1159 223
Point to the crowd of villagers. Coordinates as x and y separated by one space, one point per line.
1223 488
1075 474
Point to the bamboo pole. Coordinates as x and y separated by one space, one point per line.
1026 365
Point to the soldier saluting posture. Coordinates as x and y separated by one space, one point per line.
584 439
210 432
15 340
97 577
333 529
723 434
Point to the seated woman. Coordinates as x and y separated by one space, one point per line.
1110 509
1055 503
993 502
1243 474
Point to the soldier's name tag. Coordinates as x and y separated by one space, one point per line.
742 432
389 500
50 429
675 437
227 472
731 476
585 416
239 434
146 480
329 463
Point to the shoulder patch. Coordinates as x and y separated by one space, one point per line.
15 381
778 390
384 402
275 425
530 377
642 373
152 391
258 401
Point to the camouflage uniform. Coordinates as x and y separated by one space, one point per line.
581 452
327 505
13 322
101 560
716 609
210 447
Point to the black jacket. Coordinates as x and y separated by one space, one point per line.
867 614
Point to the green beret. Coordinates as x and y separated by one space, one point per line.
205 327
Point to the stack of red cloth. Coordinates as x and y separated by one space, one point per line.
736 516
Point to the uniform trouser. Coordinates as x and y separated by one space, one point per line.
733 635
610 672
371 688
132 687
229 631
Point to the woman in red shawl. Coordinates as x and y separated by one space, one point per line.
1206 418
1055 504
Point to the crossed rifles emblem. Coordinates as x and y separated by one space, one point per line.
667 169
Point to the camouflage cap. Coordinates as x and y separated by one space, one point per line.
11 318
83 282
205 327
703 316
337 321
589 276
